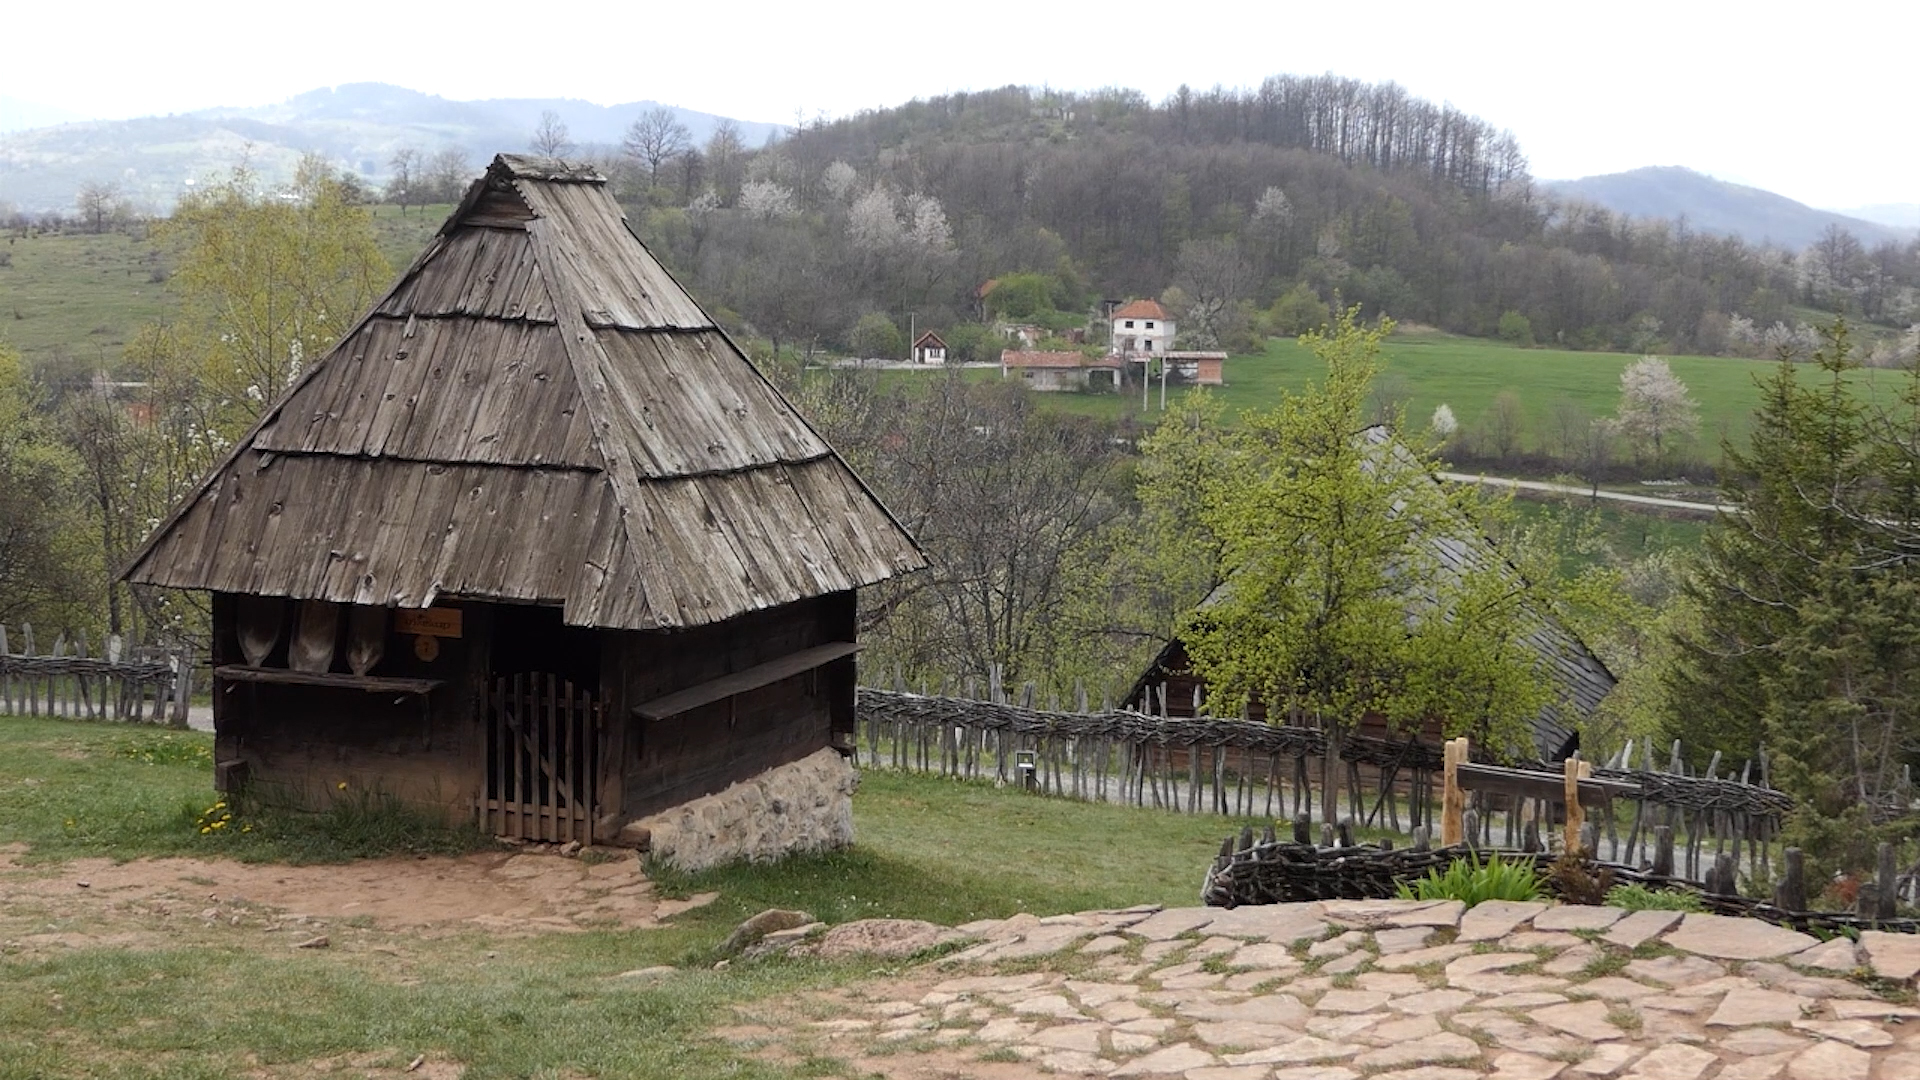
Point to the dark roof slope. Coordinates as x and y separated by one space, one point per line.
538 412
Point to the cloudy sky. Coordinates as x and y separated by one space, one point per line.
1811 101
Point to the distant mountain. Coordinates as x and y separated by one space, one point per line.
1898 215
358 126
17 115
1717 206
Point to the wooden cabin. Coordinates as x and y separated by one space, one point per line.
534 545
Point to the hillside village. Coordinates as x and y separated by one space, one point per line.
870 605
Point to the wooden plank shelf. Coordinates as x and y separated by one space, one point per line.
1527 784
372 684
753 678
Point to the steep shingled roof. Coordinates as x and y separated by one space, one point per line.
1142 309
536 412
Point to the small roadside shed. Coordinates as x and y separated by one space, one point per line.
929 348
533 546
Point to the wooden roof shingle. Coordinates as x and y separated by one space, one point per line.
535 412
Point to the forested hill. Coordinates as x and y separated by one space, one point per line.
1250 202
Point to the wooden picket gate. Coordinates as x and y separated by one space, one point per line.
543 757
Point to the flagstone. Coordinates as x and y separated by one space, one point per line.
1432 1001
1005 1030
1241 1034
1474 965
1581 1019
1120 1012
1341 1027
1155 951
1873 1010
1199 980
1074 1063
1640 927
1338 945
1442 1048
1429 1072
1099 993
1892 956
1281 1009
1493 919
1172 922
1512 1033
1729 938
1523 1001
1366 914
1615 988
1445 913
1131 1042
1902 1066
1830 1061
1675 970
1391 982
1177 1058
1315 1072
1431 955
1281 924
1055 1005
1781 977
1840 954
1147 1025
1402 939
1214 946
1341 965
1264 954
1675 1061
1667 1002
1399 1029
1745 1008
1755 1041
1251 980
1083 1037
1302 1050
1577 917
1573 961
1862 1033
1607 1059
1539 939
1514 1065
1227 1072
1764 1067
1495 982
1103 944
1350 1001
977 984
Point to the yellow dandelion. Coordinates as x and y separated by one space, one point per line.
343 785
204 830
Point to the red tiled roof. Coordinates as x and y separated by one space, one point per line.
1142 309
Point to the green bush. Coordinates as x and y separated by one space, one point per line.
1472 881
1641 898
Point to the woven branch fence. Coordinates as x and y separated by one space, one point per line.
1273 871
1248 769
126 683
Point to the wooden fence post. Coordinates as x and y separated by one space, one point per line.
1791 893
1888 879
1575 771
1452 803
1662 851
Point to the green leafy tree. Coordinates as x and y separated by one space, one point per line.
875 337
49 572
1339 599
1297 311
1516 329
268 281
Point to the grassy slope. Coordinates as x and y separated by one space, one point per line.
1466 374
504 1006
73 301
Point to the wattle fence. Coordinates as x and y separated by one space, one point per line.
1246 769
124 683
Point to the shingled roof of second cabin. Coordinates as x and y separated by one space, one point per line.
536 412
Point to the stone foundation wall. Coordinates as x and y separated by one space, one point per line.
803 806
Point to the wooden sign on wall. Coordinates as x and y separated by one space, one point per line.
433 622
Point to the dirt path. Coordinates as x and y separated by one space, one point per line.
504 892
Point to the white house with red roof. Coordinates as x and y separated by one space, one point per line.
1141 329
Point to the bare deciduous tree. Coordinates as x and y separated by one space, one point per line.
550 136
656 138
403 184
98 202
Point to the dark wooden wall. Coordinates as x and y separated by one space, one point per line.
299 743
667 762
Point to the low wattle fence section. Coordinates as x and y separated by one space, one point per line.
125 683
1246 769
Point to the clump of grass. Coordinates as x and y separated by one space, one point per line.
1641 898
1473 881
162 748
1607 963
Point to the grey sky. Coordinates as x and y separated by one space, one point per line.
1809 101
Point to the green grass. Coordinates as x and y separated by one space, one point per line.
1474 882
70 302
1466 374
219 1001
1641 898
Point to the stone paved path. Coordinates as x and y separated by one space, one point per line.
1386 990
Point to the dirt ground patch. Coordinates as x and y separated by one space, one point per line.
504 892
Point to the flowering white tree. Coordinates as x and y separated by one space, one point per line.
1655 409
1273 209
839 180
766 200
1443 423
872 225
